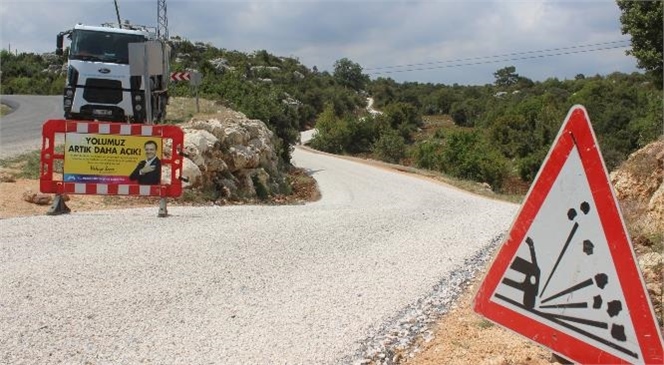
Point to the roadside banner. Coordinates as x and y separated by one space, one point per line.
100 158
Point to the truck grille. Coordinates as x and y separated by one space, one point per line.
103 91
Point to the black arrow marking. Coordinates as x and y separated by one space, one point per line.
566 305
560 256
587 322
576 287
578 330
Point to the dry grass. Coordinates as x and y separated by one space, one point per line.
467 185
182 109
436 125
4 109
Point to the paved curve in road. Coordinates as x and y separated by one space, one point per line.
20 131
301 284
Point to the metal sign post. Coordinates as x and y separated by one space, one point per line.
195 80
145 60
148 94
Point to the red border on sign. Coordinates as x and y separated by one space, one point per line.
576 130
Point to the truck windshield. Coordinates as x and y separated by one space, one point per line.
102 46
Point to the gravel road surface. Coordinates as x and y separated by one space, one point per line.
20 131
308 284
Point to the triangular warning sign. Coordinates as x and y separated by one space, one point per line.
566 276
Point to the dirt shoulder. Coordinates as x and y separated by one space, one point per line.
463 337
15 194
13 203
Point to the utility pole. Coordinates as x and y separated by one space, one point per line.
117 12
162 33
162 20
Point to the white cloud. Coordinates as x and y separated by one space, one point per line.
371 32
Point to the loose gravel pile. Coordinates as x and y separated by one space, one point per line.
399 335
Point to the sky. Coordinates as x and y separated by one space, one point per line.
437 41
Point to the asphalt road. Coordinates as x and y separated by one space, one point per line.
20 131
303 284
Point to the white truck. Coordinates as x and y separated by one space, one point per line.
100 85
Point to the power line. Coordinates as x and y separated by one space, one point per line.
492 61
495 56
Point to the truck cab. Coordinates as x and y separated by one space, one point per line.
99 85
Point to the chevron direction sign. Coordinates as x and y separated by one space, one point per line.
567 276
180 76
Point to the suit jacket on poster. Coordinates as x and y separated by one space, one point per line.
150 178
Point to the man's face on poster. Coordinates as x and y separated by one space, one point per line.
150 150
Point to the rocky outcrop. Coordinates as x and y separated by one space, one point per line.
55 69
639 184
221 64
265 68
231 156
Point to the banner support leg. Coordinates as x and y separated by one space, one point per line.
58 207
163 210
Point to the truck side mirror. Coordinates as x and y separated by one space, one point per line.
58 44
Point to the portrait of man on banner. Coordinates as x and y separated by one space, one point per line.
148 171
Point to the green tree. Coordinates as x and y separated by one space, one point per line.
390 147
506 76
427 154
349 74
383 90
465 112
26 73
468 155
333 133
402 117
642 20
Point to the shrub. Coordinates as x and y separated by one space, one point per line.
362 134
427 155
332 133
530 165
261 190
468 155
403 117
390 147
